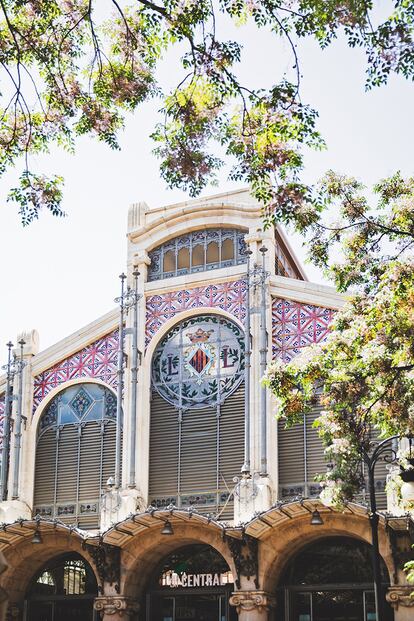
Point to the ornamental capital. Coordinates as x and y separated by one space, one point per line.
400 596
115 605
252 600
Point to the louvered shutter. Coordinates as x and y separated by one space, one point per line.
300 457
315 453
163 453
199 452
91 443
44 485
109 443
193 480
67 473
231 446
291 461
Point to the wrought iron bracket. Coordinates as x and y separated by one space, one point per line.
245 556
107 560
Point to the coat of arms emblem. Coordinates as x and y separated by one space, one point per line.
200 357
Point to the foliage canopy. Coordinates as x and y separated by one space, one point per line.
70 71
366 366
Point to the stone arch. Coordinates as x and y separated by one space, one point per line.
141 555
199 218
25 559
280 545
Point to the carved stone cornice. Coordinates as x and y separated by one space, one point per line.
252 600
116 605
400 596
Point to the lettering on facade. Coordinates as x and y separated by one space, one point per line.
173 580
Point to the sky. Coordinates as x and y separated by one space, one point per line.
59 274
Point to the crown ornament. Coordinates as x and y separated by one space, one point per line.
199 336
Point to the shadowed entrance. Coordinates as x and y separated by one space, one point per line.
63 590
331 580
194 582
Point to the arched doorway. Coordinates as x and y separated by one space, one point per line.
63 590
330 580
194 582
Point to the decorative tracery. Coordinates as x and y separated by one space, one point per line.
198 251
199 362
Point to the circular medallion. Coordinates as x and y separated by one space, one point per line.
199 362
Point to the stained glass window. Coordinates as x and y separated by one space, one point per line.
79 403
198 251
199 362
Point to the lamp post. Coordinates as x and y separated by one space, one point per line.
374 453
128 299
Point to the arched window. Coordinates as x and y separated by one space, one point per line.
331 578
63 589
198 251
197 415
75 454
213 254
183 260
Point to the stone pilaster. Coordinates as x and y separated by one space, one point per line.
252 605
114 607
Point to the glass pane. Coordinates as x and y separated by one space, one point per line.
370 614
301 607
169 262
227 250
183 258
198 255
338 605
212 253
334 560
162 609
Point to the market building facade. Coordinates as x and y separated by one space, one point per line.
144 476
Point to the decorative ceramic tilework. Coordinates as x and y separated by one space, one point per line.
2 413
296 325
97 360
229 296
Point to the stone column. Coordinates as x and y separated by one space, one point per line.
400 599
252 605
116 607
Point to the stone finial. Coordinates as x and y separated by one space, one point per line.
400 596
115 606
249 601
31 339
136 215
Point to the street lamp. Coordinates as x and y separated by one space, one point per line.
375 452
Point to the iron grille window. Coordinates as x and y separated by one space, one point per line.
198 251
75 454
